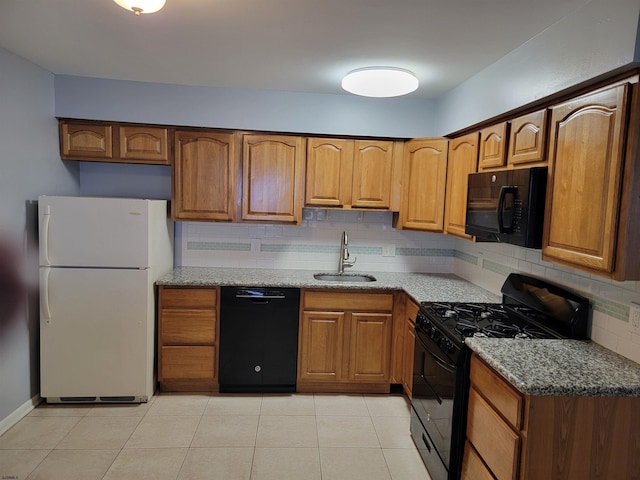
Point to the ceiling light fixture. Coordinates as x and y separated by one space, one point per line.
141 6
380 82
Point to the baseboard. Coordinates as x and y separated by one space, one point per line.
17 415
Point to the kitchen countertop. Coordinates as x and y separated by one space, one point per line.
559 367
422 287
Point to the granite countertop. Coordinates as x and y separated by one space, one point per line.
559 367
422 287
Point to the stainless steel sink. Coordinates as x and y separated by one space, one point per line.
344 277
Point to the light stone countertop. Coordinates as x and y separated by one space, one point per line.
559 367
534 367
422 287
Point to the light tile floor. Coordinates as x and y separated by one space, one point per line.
217 437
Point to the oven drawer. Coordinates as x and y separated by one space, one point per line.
493 438
507 401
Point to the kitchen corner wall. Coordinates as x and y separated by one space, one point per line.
488 264
315 244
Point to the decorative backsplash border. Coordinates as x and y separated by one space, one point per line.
611 308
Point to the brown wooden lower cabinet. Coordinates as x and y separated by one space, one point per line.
409 324
516 436
187 338
345 342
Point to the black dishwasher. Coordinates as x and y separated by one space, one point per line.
258 339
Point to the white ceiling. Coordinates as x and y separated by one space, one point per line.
289 45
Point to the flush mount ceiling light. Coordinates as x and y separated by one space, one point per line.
380 82
141 6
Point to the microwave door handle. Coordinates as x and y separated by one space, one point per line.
504 191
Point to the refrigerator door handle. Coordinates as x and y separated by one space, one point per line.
44 236
45 311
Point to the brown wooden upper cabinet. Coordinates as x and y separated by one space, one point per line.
111 142
347 173
493 146
204 176
272 177
592 191
527 140
462 160
424 181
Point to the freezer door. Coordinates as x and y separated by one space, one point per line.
96 332
94 232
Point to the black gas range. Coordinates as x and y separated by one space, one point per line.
531 309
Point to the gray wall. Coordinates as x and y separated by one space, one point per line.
593 40
91 98
30 166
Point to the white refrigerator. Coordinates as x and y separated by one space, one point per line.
99 259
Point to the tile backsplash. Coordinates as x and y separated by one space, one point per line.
314 245
488 264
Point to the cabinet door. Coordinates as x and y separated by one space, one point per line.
425 177
90 141
144 144
272 178
204 176
407 364
329 172
372 168
370 347
585 175
493 142
321 346
527 139
463 160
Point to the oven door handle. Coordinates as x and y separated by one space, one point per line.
448 367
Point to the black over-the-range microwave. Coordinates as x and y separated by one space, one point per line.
507 206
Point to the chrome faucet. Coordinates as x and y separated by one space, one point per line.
344 254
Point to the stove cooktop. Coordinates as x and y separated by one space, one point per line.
463 320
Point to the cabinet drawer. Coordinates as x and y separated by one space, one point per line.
188 326
507 401
187 363
189 297
473 468
322 300
493 438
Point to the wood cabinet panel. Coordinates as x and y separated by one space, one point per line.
493 146
144 144
370 347
555 435
114 142
496 442
187 338
473 468
343 347
321 346
188 362
189 297
424 180
204 176
272 178
561 429
507 401
372 168
409 349
188 327
326 299
329 172
462 160
527 139
585 177
86 141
